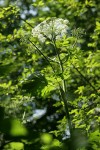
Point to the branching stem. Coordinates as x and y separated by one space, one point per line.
63 90
85 79
46 58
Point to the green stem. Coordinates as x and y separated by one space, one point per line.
46 58
63 90
85 79
39 51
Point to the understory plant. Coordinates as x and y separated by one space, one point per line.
60 47
54 32
50 83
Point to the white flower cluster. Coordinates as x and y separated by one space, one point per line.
54 28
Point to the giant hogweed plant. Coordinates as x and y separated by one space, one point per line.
54 32
59 46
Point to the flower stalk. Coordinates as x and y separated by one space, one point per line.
54 29
63 90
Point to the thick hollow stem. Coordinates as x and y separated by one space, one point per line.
63 91
63 88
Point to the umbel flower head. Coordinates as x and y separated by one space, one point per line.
52 29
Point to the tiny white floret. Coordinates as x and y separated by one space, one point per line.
52 29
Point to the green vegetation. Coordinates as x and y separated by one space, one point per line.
50 75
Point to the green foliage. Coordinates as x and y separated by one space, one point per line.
29 79
94 139
13 127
